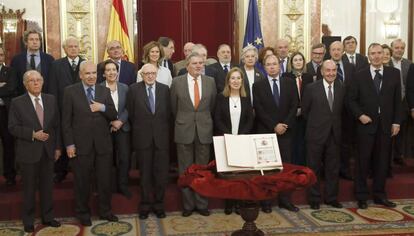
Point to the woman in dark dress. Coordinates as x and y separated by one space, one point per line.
233 113
297 60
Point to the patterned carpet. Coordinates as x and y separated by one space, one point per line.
348 221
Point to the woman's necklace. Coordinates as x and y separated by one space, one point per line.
234 101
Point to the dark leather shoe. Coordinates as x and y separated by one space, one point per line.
203 212
288 206
334 204
315 205
52 223
187 213
10 182
111 218
29 228
160 214
362 204
267 209
143 215
228 210
385 202
59 177
85 222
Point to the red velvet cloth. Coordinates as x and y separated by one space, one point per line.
202 179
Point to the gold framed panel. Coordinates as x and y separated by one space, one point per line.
78 19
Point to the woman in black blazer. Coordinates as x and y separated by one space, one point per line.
233 113
298 74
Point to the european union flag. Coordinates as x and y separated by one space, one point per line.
253 35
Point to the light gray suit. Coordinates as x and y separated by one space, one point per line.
193 130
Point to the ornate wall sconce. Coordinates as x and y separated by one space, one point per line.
392 28
293 14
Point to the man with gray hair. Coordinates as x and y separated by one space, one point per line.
398 61
193 125
34 122
317 54
88 109
188 47
220 69
64 72
127 72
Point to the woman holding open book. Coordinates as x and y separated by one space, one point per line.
233 113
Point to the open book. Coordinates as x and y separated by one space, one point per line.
247 152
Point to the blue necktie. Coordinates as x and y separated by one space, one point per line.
89 94
339 73
226 69
282 68
151 100
275 92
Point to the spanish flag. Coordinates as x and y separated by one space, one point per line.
118 30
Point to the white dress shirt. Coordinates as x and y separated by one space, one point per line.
114 95
191 82
326 85
235 112
33 97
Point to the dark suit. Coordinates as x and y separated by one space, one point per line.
348 122
217 72
89 132
311 70
298 142
7 92
193 131
257 76
169 65
410 87
127 73
268 115
374 138
20 64
401 141
361 61
151 141
35 157
222 119
62 75
121 139
323 137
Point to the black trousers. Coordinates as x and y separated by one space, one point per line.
153 168
378 147
38 175
83 166
122 152
7 140
327 153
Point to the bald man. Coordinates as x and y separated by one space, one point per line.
282 53
322 108
188 47
151 118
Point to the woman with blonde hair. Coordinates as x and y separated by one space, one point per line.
233 113
154 54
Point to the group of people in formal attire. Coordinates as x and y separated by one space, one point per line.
73 113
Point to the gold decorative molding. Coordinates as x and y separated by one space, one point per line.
294 24
78 20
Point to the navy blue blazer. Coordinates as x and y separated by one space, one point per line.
19 63
122 90
128 74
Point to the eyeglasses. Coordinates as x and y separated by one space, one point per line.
318 53
149 73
